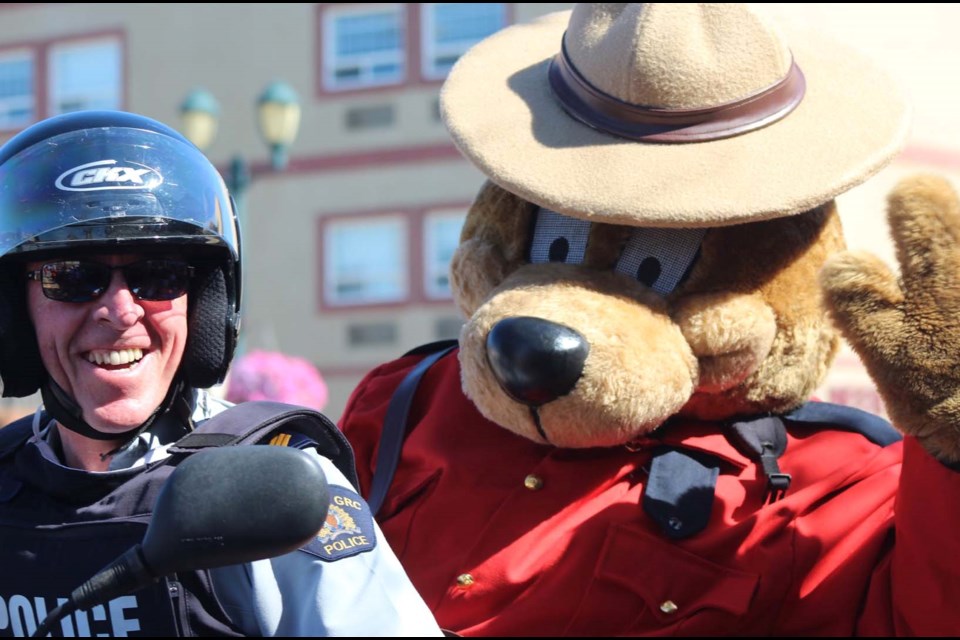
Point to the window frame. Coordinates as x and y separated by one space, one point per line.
413 50
330 273
413 271
77 44
429 47
330 58
15 53
431 266
41 52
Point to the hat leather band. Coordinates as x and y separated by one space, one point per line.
601 111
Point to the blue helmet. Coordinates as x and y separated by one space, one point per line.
115 181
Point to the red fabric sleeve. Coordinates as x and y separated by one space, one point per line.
916 592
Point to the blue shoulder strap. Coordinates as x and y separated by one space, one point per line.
872 427
395 421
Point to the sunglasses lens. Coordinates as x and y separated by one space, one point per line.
74 281
158 279
80 281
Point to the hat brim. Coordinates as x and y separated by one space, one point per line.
502 115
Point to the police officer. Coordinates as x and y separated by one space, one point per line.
119 302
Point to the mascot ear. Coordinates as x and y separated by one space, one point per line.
493 243
21 370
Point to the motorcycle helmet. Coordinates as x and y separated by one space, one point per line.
112 181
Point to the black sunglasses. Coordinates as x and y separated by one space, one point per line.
85 280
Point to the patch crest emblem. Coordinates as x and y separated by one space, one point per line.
348 530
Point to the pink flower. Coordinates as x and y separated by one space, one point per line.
271 375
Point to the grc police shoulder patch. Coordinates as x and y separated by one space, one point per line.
349 528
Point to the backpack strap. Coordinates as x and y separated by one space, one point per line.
395 421
764 440
257 422
835 416
682 483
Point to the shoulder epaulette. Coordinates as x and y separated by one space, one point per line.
259 422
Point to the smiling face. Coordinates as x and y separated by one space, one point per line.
117 355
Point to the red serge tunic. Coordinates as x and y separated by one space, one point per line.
503 536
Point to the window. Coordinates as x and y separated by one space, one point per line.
441 236
49 78
365 261
383 45
449 29
17 107
85 75
364 47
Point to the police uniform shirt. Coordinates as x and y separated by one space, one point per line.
347 582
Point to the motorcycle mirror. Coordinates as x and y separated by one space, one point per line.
219 507
235 504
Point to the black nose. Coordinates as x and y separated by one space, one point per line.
536 360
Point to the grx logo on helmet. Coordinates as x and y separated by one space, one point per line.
106 174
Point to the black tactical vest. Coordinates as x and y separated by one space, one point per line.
60 526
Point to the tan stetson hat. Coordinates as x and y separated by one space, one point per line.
683 114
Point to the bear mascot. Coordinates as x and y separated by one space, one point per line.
625 438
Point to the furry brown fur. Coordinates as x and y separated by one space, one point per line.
907 332
743 334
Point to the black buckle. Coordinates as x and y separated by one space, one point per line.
777 481
777 485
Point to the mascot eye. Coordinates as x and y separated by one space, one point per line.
557 238
660 258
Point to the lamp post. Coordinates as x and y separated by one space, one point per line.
278 120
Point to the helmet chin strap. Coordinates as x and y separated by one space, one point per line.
68 413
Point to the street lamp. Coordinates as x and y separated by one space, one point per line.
278 119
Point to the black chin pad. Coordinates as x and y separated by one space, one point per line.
21 369
210 323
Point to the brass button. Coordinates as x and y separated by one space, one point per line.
532 482
668 606
464 580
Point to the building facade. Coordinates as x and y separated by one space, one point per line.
347 248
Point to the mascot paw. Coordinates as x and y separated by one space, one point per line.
907 331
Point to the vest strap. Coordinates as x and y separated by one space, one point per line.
395 428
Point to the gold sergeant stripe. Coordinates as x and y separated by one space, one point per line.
280 440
